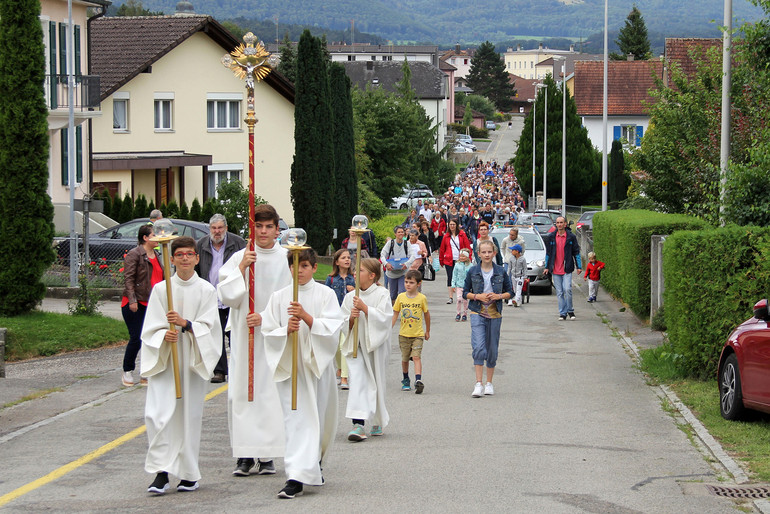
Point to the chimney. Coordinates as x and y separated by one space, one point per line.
572 48
508 50
540 46
457 48
630 57
518 48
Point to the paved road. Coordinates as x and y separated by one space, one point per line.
573 427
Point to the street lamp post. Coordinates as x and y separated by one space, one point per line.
563 133
604 111
545 149
534 118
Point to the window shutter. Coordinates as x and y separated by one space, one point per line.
63 48
64 161
52 63
616 133
639 134
79 154
76 44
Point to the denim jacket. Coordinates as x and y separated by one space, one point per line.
339 285
474 283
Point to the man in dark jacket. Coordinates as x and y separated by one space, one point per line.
213 251
561 258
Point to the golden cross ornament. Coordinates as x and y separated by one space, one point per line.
250 60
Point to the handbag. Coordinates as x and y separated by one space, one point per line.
428 273
436 264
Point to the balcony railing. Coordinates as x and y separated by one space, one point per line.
86 92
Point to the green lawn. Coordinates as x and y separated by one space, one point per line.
322 271
40 334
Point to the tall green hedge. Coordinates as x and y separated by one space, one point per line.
622 242
713 278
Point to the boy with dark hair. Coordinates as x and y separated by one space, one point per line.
317 319
174 426
256 427
412 306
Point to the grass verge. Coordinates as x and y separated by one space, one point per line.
747 441
322 271
39 334
33 396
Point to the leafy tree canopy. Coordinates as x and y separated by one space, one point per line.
135 8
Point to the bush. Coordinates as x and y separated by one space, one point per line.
195 211
622 241
713 278
369 203
475 132
658 321
383 228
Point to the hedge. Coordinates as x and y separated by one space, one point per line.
713 279
622 242
383 228
475 132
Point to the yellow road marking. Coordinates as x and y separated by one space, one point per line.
85 459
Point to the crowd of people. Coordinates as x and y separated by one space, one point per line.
339 332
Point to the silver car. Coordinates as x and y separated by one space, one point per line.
534 252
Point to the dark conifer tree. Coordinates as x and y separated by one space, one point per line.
487 77
126 209
26 211
288 64
140 207
617 189
195 211
312 172
346 182
117 205
632 38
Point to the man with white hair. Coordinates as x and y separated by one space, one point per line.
214 250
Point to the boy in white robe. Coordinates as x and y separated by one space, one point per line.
256 428
366 399
317 319
174 425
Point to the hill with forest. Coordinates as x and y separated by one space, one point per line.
450 21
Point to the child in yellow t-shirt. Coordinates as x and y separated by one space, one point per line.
412 306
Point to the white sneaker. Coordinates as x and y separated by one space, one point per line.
510 303
478 391
127 379
489 389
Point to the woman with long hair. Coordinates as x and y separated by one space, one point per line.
453 241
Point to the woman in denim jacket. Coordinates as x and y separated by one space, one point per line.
487 285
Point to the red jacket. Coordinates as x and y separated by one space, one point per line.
594 270
438 225
445 252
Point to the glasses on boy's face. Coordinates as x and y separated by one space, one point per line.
180 255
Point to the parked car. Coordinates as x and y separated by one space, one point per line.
534 253
552 213
586 220
409 200
491 125
460 148
464 137
113 243
416 186
542 223
467 145
743 378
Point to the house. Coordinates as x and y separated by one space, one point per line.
428 81
538 62
477 117
460 59
628 89
685 52
370 52
526 90
449 71
54 21
173 124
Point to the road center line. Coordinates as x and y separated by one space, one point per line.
85 459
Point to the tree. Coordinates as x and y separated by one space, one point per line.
618 182
140 207
209 208
126 212
135 8
184 211
288 64
478 103
632 38
117 205
583 160
171 210
468 114
27 211
233 201
487 77
345 179
195 211
312 172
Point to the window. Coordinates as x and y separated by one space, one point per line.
351 57
465 61
631 135
164 112
222 173
223 112
120 112
78 156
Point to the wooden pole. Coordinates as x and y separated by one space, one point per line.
251 120
294 335
170 299
358 290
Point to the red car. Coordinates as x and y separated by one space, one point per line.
744 366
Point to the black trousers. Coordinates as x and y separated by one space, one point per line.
221 366
134 322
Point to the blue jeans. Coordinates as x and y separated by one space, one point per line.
396 287
485 338
563 285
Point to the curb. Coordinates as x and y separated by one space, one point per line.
703 435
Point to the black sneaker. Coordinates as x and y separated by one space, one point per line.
187 486
571 315
266 468
418 387
243 467
160 484
290 490
562 318
218 378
